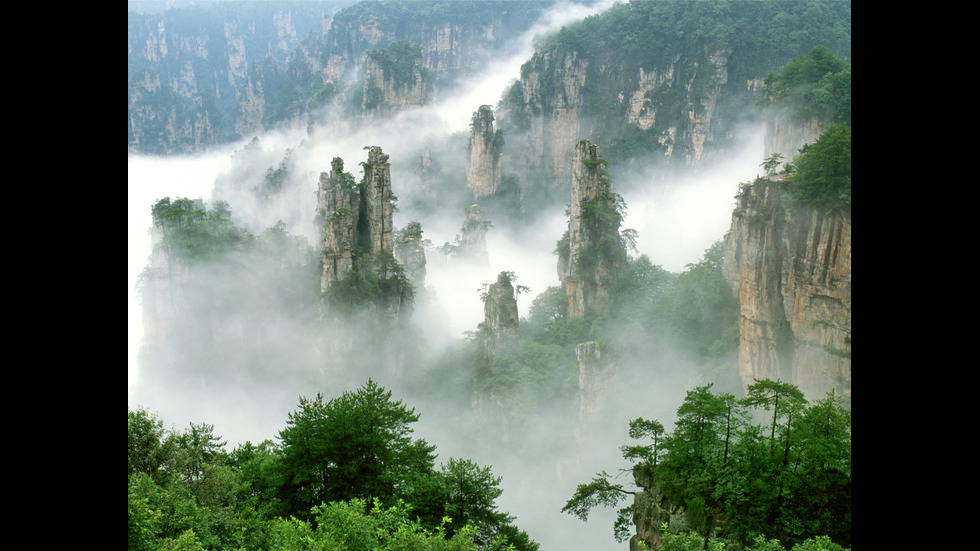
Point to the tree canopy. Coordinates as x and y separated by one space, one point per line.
347 475
732 477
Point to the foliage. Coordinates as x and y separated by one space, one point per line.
337 455
356 526
400 61
681 38
192 233
770 163
822 171
358 445
370 286
725 473
700 308
151 448
812 86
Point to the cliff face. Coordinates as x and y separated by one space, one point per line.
351 215
595 377
410 252
791 271
483 166
786 138
383 95
452 42
473 236
375 224
338 203
560 92
584 267
499 329
196 77
500 317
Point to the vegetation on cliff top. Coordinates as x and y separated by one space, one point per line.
816 87
736 479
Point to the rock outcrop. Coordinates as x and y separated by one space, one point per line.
786 137
200 78
791 271
498 330
375 223
385 91
472 244
587 254
483 166
595 377
354 224
500 317
338 203
410 252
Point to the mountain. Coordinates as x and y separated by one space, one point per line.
212 73
373 219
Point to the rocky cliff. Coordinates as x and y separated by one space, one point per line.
375 224
200 76
483 166
498 330
337 213
791 271
587 254
354 225
454 39
411 253
671 108
595 376
660 82
472 240
391 81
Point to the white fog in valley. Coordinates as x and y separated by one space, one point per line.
676 221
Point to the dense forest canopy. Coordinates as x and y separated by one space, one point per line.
344 474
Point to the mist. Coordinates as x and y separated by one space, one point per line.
676 222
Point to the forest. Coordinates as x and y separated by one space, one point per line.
347 474
401 438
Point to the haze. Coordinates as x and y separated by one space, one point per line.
676 221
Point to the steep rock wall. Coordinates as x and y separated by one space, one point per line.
192 77
582 270
383 96
483 165
338 204
565 96
410 252
376 209
595 377
791 271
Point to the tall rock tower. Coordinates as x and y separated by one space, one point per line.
375 224
593 250
588 256
483 167
499 327
338 202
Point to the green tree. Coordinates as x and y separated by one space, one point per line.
771 163
356 446
822 171
151 447
470 499
790 480
785 400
